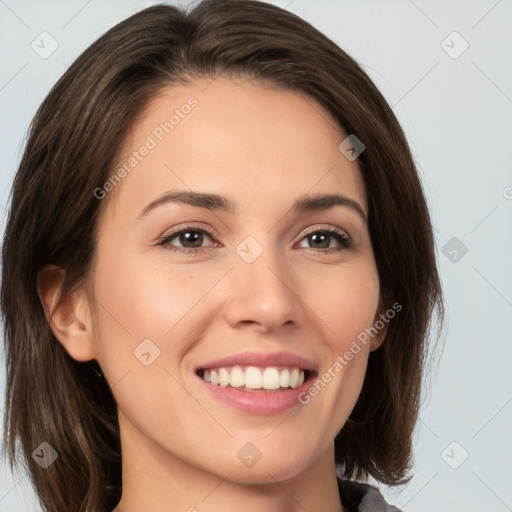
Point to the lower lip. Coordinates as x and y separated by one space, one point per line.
258 402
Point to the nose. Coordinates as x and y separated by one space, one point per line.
262 295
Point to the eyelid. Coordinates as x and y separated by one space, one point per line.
199 226
175 231
343 238
329 229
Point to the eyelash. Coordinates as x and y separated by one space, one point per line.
342 238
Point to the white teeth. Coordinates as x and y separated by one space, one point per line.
271 379
237 377
223 377
294 378
255 378
284 378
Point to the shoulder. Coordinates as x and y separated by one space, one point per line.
362 497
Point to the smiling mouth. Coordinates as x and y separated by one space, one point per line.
256 379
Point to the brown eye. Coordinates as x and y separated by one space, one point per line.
187 240
319 240
333 240
191 238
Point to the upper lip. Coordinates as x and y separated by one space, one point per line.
262 360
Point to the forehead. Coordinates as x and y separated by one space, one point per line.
239 138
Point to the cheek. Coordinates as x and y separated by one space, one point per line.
346 301
137 301
145 320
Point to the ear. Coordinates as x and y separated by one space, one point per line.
380 322
68 314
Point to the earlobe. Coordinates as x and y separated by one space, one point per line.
68 314
380 322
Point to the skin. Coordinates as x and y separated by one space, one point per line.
263 148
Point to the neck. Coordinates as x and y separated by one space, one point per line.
153 479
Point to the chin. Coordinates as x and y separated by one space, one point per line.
265 471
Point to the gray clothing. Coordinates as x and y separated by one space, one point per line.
362 497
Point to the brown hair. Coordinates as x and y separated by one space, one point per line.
71 150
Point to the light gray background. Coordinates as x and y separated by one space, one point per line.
457 114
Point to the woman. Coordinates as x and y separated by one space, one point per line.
218 273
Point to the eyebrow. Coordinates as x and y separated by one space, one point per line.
216 202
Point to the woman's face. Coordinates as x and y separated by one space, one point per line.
262 278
